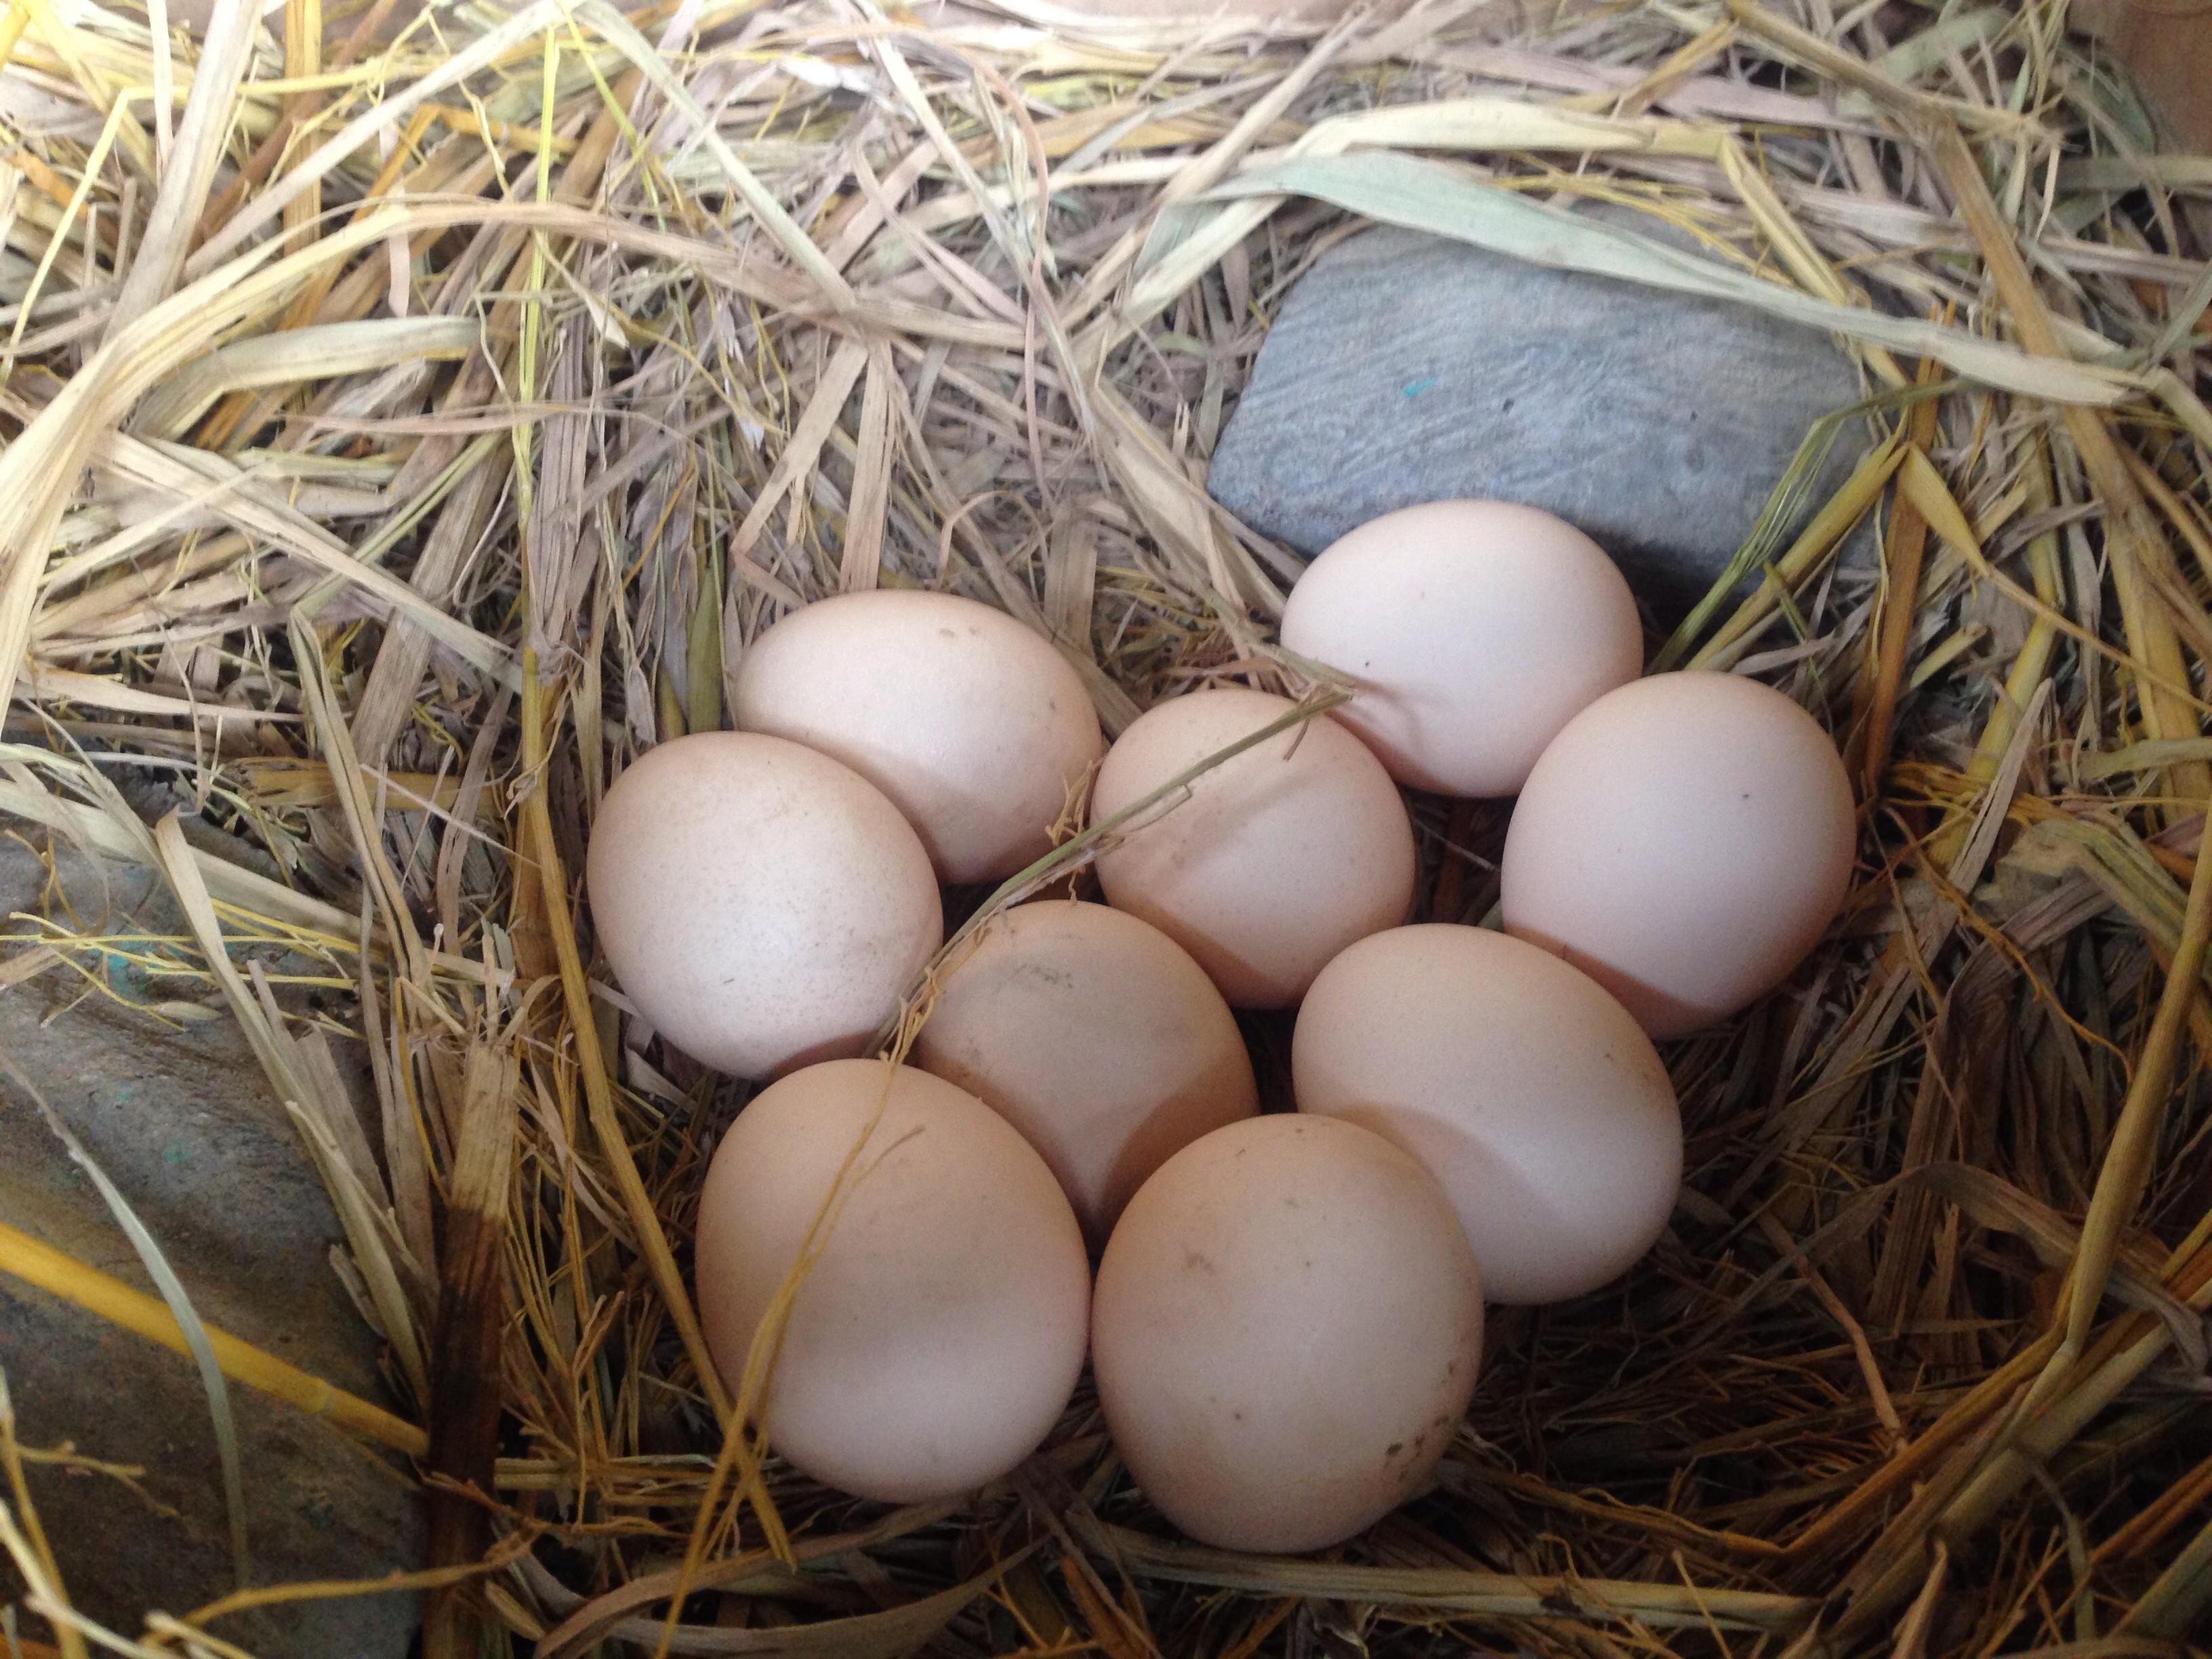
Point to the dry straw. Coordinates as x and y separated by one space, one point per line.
410 417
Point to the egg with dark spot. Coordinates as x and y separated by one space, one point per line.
1685 842
762 905
1279 1398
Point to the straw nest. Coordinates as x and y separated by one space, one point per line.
408 419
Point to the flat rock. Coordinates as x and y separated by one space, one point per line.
1405 368
186 1124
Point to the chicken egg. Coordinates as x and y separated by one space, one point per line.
1275 861
1285 1333
1685 841
1094 1034
977 728
1475 630
761 904
1533 1097
936 1337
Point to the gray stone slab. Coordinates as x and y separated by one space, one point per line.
186 1124
1405 368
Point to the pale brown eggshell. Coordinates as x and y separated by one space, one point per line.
1532 1096
974 727
762 905
1475 629
1685 841
936 1338
1285 1333
1098 1037
1276 859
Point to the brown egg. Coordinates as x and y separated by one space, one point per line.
936 1335
762 905
1476 629
1531 1095
1094 1034
1684 842
1275 860
976 726
1285 1333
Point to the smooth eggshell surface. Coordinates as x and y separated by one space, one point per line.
974 725
937 1337
1094 1034
1528 1092
1476 630
1277 859
762 905
1685 842
1285 1333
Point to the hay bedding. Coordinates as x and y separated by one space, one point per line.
408 420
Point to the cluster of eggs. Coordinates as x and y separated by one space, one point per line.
1286 1315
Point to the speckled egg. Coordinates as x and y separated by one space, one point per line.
1285 1333
761 904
